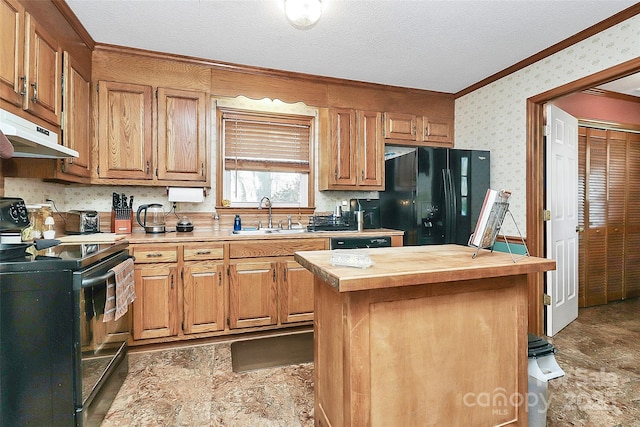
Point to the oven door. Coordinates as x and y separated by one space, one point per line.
101 348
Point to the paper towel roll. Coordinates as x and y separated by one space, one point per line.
181 194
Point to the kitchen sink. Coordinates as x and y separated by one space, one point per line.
263 231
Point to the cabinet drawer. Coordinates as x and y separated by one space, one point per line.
203 251
268 248
155 253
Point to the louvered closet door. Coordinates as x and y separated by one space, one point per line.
616 196
582 188
632 240
596 221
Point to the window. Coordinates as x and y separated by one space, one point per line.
266 154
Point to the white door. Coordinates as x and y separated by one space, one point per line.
562 201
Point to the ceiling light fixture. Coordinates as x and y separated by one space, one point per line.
303 14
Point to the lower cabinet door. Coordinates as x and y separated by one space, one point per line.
203 297
296 293
252 294
155 309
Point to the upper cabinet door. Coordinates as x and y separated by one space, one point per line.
438 130
182 136
44 71
343 145
400 126
124 130
11 51
371 150
76 130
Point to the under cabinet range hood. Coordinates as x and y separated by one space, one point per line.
31 140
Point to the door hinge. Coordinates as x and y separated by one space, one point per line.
546 299
546 130
546 215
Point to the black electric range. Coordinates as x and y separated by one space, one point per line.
58 365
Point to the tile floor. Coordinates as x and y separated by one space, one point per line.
195 386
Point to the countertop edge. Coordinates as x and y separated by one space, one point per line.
487 264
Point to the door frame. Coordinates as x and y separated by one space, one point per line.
535 185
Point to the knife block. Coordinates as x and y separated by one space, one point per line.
121 222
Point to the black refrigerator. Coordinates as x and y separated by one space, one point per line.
434 194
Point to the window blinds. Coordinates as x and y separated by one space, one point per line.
255 141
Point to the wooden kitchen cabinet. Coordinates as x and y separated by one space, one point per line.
295 292
437 131
252 293
354 160
179 290
76 129
125 139
182 138
203 288
127 149
44 73
266 286
30 63
12 60
155 308
418 130
400 126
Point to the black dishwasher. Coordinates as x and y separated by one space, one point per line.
360 242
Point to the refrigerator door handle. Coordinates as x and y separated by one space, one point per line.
450 203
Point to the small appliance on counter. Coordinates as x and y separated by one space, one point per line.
184 225
82 222
153 220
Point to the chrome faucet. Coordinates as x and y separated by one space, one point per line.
268 204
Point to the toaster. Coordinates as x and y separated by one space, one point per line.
82 222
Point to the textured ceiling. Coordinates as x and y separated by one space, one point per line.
436 45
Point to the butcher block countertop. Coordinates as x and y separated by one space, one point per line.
416 265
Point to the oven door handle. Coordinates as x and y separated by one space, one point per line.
93 281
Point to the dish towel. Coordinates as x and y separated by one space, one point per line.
121 291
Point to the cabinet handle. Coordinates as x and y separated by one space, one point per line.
202 169
23 92
219 278
203 252
285 274
362 176
148 166
413 129
156 255
35 92
274 274
172 281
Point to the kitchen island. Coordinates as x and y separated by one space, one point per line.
426 336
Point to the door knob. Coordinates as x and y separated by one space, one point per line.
579 228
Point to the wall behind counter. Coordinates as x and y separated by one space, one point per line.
98 197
